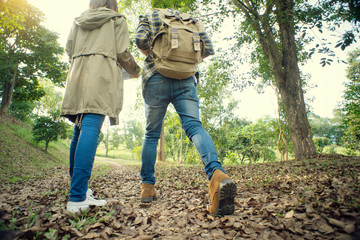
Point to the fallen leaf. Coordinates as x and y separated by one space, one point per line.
324 227
289 214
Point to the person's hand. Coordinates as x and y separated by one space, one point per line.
135 76
145 52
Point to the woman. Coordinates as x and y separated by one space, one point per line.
97 47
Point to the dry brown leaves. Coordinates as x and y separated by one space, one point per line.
303 199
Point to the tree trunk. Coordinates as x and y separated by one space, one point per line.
284 65
161 154
46 145
291 89
8 93
283 135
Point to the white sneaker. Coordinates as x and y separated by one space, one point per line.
75 207
89 192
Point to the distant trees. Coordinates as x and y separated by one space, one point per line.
128 137
351 104
132 134
48 126
48 129
332 129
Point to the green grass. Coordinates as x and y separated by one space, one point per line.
338 150
106 161
21 158
115 153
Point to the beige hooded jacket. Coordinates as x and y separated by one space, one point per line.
97 47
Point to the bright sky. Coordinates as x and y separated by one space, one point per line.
61 13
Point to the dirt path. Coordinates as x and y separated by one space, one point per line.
113 162
312 199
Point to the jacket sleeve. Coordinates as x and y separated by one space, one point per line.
124 57
126 60
69 48
142 38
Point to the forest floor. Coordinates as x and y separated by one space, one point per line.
316 198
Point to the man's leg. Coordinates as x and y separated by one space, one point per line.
222 189
186 104
156 102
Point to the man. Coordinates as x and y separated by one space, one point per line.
158 92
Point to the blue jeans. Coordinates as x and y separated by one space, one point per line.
159 92
82 153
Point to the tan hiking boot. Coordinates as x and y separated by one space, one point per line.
148 193
222 191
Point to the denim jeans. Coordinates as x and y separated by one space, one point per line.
159 92
82 153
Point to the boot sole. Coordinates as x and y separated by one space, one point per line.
148 199
227 193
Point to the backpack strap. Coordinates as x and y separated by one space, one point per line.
174 38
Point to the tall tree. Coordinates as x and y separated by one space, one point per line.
28 51
274 25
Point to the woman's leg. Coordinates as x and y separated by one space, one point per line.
73 146
84 156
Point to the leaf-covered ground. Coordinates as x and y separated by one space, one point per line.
302 199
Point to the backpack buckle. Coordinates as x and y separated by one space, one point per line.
196 40
174 38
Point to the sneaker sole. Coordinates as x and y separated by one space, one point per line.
77 209
148 199
227 193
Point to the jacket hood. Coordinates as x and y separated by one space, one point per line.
95 18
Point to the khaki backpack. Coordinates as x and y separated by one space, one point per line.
177 48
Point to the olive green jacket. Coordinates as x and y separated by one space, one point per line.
97 46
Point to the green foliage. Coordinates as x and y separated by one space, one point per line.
48 130
22 110
31 219
331 129
241 140
213 92
115 139
351 104
132 134
28 51
101 137
52 234
320 143
172 136
87 220
228 141
330 15
339 11
137 152
50 103
258 139
183 5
